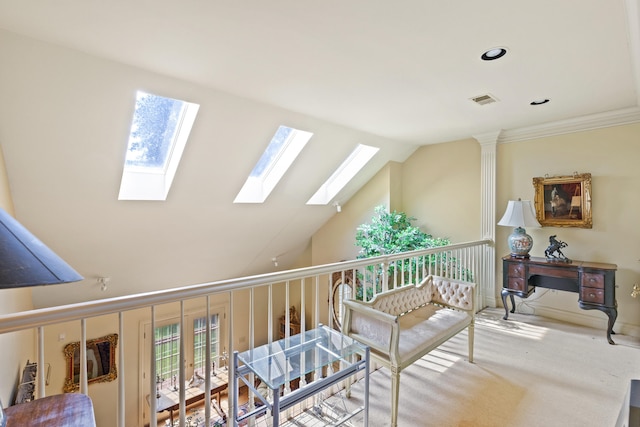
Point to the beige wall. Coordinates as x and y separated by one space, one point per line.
334 241
21 344
440 186
611 156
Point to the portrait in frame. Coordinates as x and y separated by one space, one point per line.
563 201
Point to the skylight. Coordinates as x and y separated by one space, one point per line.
279 155
345 173
159 132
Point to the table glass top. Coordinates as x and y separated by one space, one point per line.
291 358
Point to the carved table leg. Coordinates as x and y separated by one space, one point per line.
611 312
504 294
613 315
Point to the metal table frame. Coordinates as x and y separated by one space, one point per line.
275 365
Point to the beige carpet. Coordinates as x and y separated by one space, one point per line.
527 371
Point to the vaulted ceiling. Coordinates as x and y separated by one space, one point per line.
404 72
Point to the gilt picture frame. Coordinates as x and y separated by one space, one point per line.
101 362
564 201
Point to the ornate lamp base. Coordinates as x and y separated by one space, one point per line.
520 243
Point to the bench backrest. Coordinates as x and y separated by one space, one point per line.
452 292
403 299
440 290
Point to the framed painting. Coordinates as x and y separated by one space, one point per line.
101 362
563 201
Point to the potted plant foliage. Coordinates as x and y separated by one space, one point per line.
390 233
387 233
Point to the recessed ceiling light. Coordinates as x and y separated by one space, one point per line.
494 53
539 101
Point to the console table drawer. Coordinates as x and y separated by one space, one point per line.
593 280
517 284
593 295
551 270
516 270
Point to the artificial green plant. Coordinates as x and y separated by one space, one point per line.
390 233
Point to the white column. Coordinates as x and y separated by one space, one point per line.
488 143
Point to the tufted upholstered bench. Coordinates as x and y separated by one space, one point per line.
402 325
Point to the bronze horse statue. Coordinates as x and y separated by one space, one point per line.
553 251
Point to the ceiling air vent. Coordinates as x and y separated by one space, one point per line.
484 99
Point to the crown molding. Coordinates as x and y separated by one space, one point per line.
594 121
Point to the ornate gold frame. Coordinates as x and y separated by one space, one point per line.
569 205
106 344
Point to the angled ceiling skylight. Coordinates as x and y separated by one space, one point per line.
345 173
159 132
279 155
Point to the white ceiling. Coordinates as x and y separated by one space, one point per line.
403 70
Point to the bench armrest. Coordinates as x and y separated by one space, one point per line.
371 327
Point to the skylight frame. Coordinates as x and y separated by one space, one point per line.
272 166
141 182
349 168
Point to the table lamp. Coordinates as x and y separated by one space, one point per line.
26 261
519 214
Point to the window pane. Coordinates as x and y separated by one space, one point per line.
272 152
285 146
167 355
153 130
200 343
159 132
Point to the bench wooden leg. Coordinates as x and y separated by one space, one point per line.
471 331
395 392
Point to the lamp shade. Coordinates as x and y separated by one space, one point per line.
519 213
26 261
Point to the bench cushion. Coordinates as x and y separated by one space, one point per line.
424 328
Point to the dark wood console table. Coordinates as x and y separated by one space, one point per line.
595 283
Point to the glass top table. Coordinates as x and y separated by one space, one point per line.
282 361
290 358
